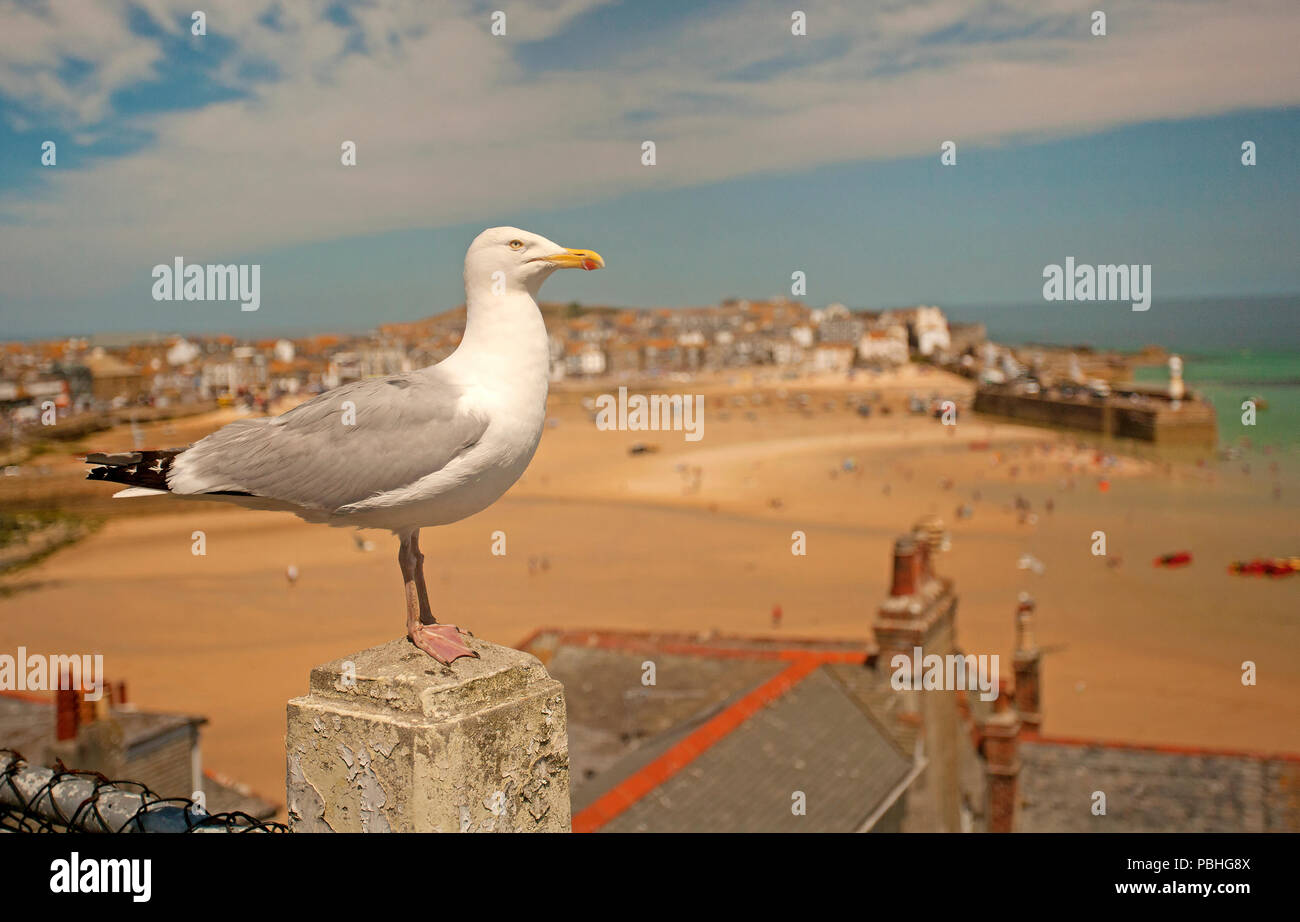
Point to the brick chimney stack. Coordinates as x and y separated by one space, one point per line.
67 713
906 568
924 572
920 608
1028 660
1001 732
72 711
920 611
86 711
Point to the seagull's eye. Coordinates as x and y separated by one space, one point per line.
516 244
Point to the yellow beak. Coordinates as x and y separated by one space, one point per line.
576 259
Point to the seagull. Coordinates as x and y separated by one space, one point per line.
400 452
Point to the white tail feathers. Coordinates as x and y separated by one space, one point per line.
138 491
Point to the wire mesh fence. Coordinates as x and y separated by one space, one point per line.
38 799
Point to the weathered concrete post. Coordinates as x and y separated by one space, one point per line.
389 740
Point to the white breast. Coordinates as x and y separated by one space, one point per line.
503 365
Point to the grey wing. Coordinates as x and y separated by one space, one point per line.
344 446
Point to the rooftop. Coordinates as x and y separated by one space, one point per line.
682 754
27 725
1155 789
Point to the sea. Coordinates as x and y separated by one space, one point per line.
1233 349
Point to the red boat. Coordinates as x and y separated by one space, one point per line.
1265 566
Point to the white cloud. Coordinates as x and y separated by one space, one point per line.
449 126
36 40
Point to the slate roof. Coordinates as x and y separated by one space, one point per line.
612 714
730 730
27 725
815 739
1149 790
227 796
668 759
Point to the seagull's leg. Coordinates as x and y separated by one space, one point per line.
441 641
412 594
426 613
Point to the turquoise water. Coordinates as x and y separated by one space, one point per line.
1228 378
1232 349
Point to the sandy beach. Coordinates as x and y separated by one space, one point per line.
697 536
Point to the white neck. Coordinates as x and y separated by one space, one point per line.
505 337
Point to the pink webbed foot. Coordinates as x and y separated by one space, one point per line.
441 641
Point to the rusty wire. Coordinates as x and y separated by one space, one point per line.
37 799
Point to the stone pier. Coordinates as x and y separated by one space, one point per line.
389 740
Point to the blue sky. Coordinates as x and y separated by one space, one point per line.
775 152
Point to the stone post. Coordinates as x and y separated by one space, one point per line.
389 740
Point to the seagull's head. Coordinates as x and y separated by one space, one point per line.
507 258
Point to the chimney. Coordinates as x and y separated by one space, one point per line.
905 568
923 560
86 713
1001 733
67 713
930 537
913 615
1028 659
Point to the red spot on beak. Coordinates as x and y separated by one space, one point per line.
589 264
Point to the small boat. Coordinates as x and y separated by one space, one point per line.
1265 566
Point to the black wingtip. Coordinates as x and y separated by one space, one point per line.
114 458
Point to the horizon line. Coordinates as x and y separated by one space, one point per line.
287 332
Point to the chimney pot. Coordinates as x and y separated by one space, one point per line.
1028 661
905 567
1025 623
923 561
67 713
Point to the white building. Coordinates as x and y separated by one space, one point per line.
930 330
927 329
834 358
284 350
884 346
182 352
584 359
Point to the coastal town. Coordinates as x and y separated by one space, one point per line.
822 435
79 384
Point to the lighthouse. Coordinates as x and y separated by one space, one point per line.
1176 390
